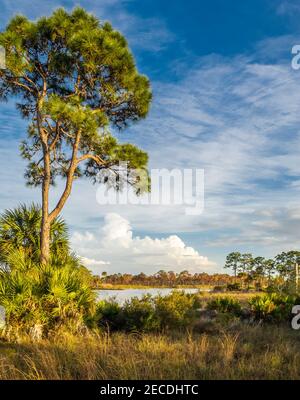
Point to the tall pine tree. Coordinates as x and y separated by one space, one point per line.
74 78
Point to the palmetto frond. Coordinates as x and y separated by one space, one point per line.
20 230
49 295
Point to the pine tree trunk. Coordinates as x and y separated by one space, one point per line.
47 217
45 242
45 225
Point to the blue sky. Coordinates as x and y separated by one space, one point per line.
225 99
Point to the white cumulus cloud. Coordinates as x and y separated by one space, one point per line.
116 249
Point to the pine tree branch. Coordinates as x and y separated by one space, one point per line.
69 181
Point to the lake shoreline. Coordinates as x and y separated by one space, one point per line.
123 295
132 287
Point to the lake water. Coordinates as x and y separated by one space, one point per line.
121 295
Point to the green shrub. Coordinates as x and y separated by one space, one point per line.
140 314
134 315
272 307
40 298
46 297
225 305
233 287
177 310
108 314
219 288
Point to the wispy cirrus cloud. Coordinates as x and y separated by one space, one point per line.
238 119
288 7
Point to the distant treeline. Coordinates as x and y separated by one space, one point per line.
248 272
163 278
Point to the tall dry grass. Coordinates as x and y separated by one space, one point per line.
247 352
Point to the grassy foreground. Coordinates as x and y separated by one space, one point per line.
240 352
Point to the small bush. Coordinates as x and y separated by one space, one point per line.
140 315
177 310
135 315
225 305
272 307
233 287
41 298
218 288
108 314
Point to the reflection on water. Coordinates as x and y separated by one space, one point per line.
121 295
